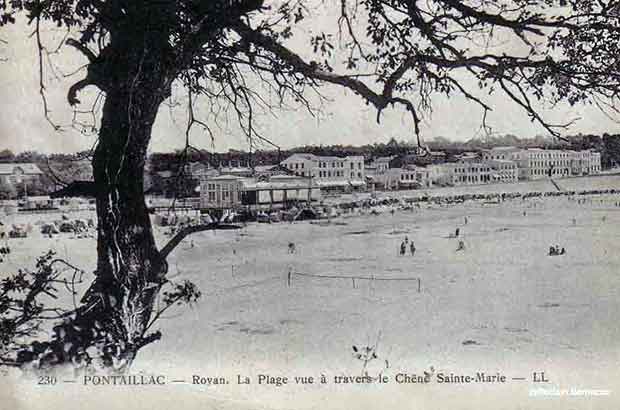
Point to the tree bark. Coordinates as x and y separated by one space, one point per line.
109 327
130 270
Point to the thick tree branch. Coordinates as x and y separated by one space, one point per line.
75 89
86 52
310 70
179 236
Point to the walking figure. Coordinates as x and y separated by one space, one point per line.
412 248
461 246
291 247
458 231
403 248
465 220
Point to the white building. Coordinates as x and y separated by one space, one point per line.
504 171
441 174
382 164
501 154
586 162
409 177
537 163
18 173
232 191
540 163
329 172
223 191
473 172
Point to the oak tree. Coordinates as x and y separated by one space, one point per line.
397 54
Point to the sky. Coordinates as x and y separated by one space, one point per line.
344 119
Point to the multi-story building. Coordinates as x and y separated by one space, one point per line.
410 177
442 174
501 153
586 162
381 164
504 171
537 163
472 173
329 172
595 162
375 172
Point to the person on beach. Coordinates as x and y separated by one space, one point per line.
412 248
457 232
461 246
403 248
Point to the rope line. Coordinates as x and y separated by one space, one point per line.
351 277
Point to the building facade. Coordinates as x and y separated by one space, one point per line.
221 192
232 191
19 173
409 177
472 173
329 172
503 171
539 163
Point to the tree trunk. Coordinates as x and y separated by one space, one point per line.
109 328
130 270
129 267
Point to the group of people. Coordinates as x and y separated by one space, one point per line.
555 250
4 251
403 247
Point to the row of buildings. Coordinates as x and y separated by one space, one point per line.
305 177
496 165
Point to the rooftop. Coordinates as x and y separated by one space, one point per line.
15 168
